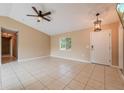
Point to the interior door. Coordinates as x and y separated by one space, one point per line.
101 47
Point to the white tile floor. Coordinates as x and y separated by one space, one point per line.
58 74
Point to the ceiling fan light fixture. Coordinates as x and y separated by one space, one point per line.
97 24
39 19
40 15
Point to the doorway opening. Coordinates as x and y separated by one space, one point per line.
9 48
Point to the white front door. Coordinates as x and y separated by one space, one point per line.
101 47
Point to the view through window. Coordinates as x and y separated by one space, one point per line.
65 43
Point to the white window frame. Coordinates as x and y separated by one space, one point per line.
60 40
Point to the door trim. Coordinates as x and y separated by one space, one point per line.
13 30
110 32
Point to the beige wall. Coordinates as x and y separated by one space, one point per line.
81 44
114 27
31 43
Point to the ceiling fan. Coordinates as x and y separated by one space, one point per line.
40 15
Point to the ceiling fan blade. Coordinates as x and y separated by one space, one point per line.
35 10
33 15
45 14
46 19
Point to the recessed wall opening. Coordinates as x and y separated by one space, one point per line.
9 48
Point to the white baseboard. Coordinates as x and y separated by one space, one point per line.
73 59
29 59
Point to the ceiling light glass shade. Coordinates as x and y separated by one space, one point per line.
97 24
39 19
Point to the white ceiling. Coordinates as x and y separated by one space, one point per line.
65 17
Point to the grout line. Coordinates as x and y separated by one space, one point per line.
104 78
17 76
89 77
1 78
35 77
121 76
72 79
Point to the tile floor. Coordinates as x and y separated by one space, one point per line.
59 74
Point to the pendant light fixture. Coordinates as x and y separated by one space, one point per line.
97 23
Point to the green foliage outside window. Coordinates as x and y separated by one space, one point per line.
65 43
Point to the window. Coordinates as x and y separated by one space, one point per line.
120 11
65 43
